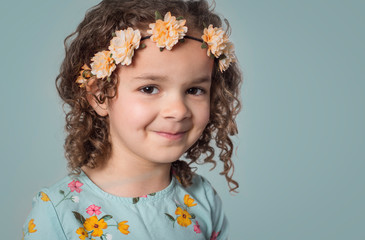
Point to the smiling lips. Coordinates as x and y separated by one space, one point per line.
171 136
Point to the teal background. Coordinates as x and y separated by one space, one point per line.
300 160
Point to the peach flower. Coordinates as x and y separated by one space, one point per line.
229 57
123 44
166 33
103 64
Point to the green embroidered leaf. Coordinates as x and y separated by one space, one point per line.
152 194
161 49
79 217
114 34
170 217
158 15
204 45
180 18
62 192
143 45
182 40
106 217
135 200
211 56
192 215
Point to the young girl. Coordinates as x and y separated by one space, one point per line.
146 82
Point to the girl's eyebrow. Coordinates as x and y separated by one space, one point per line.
153 77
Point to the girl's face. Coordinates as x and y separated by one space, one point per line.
162 102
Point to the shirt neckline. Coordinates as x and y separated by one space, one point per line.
150 197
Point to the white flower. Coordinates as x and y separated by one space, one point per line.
123 44
75 199
108 236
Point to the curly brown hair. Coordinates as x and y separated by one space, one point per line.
87 142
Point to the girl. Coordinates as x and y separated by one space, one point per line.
146 82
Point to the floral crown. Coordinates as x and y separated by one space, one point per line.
165 32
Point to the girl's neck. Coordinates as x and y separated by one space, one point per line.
130 180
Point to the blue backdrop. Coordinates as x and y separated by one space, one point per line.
300 159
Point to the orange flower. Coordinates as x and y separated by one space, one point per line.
184 218
123 227
31 226
123 44
189 201
103 64
95 225
167 33
44 197
83 234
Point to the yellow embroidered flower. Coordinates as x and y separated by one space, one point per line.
184 218
31 226
83 234
85 75
123 227
103 64
189 201
216 40
123 44
167 33
95 225
44 197
228 57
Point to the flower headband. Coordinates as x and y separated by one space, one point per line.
165 32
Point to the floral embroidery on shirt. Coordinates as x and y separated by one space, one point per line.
96 227
136 199
74 186
197 227
44 197
214 235
93 209
30 229
183 214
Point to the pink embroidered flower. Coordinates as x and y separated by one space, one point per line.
143 196
197 227
75 186
93 209
214 235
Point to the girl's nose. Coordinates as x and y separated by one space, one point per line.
176 109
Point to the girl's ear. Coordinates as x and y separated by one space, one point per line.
92 89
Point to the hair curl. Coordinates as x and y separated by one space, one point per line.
87 142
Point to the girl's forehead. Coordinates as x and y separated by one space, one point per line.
185 58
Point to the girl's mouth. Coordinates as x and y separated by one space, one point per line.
171 136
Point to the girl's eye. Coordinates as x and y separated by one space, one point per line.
195 91
149 90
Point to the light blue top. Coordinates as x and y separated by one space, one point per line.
75 208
